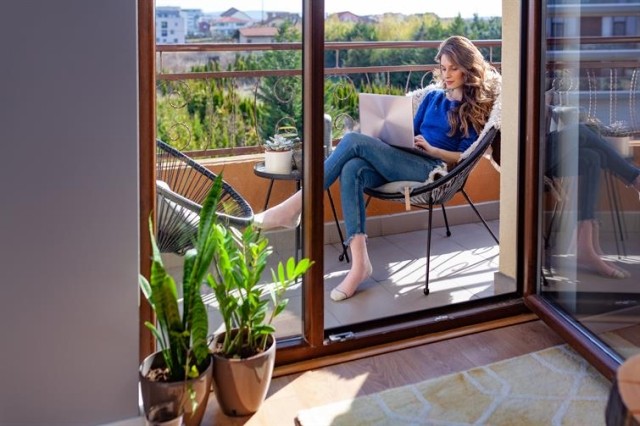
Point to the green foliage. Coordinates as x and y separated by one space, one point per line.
183 336
218 113
206 114
240 260
280 97
282 142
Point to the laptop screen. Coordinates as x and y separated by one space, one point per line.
388 118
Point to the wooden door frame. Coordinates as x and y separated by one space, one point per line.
146 149
313 342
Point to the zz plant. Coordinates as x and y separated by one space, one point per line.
239 261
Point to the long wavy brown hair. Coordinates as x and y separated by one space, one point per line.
477 94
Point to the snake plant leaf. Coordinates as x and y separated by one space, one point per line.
146 288
199 330
208 213
157 335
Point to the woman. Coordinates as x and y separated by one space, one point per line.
446 124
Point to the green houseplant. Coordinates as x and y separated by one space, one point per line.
181 371
244 353
279 150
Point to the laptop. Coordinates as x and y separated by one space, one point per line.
390 119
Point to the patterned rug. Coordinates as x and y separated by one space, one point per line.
555 386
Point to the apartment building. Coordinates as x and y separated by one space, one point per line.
170 25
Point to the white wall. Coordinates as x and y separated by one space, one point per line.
511 33
69 212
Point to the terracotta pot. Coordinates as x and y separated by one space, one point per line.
241 385
156 394
278 162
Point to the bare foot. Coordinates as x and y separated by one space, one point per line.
349 285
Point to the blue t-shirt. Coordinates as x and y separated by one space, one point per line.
431 122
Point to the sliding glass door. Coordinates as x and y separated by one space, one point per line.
588 136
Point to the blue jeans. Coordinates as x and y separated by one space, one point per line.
593 155
360 162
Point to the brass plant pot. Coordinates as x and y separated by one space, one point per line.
156 394
241 385
167 414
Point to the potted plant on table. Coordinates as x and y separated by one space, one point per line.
178 377
279 150
244 353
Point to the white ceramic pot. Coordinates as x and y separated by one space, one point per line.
278 162
620 144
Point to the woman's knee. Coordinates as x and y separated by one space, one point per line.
352 169
354 139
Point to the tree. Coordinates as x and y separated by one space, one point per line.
280 96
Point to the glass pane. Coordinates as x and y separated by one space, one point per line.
390 48
591 135
220 96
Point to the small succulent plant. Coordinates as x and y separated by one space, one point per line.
282 142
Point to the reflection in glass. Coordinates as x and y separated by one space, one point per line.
591 245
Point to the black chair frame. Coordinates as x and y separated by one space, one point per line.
180 200
443 189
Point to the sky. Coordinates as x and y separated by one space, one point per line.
442 8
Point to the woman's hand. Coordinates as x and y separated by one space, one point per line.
448 157
421 143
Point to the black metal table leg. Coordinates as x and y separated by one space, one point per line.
344 255
266 200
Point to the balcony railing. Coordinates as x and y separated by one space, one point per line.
607 85
240 129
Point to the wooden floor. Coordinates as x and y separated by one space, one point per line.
290 394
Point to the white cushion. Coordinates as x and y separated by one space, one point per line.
400 185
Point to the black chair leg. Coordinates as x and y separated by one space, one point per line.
344 255
426 283
446 221
480 216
